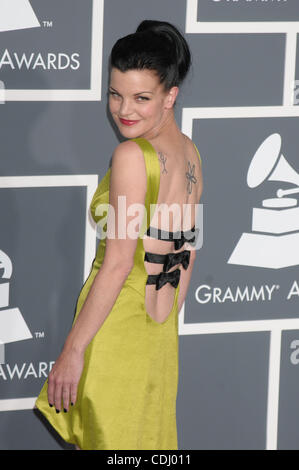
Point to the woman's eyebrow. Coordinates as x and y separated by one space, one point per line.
139 93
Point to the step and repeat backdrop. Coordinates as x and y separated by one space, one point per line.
239 326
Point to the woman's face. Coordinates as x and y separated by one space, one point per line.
138 103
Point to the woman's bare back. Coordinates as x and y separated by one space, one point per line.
179 194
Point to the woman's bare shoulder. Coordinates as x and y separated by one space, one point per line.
128 156
188 140
128 148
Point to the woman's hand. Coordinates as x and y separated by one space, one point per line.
64 378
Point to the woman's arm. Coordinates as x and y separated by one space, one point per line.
128 179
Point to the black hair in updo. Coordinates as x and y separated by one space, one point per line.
157 46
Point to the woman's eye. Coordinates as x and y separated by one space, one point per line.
139 98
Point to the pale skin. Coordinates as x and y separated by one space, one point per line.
133 95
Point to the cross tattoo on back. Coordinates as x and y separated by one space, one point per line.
190 177
163 161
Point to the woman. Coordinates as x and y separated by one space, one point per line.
114 385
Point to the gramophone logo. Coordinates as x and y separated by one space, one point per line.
274 240
17 14
12 325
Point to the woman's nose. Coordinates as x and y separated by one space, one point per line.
125 108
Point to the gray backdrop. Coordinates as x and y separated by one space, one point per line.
239 331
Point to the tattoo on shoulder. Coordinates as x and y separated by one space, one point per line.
162 159
190 177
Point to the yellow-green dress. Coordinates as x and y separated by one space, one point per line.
127 392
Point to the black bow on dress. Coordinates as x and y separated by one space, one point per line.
179 242
175 258
173 278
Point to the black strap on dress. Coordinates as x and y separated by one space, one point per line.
169 260
162 278
179 237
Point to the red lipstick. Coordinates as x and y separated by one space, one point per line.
127 123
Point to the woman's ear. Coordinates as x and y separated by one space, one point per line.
171 97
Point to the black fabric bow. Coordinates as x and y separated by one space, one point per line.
175 258
173 278
179 242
